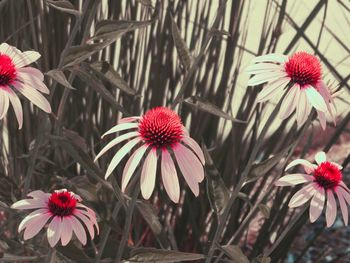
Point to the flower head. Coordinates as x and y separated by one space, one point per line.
15 77
300 76
64 212
322 182
159 134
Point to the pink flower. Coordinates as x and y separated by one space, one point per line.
14 76
159 133
322 180
65 213
300 75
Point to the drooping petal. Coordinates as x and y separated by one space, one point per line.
302 108
34 226
33 82
317 203
316 99
26 58
131 165
148 174
34 96
67 231
289 102
32 216
32 72
309 167
343 207
4 103
272 90
266 77
89 225
293 179
115 141
17 107
345 194
272 57
54 231
302 196
320 157
38 194
322 117
195 147
90 214
29 204
190 167
78 230
262 68
169 176
121 127
120 155
331 211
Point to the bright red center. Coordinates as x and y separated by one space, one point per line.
304 69
62 203
161 127
327 175
7 70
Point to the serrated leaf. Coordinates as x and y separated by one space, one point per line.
64 6
265 210
106 72
181 48
218 194
59 76
112 29
235 253
259 169
161 256
204 105
76 54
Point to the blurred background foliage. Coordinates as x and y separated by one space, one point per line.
108 59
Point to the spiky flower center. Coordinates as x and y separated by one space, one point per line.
304 69
7 70
161 128
62 203
327 175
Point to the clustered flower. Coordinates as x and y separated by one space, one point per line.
159 136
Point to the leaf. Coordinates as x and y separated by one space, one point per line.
84 187
64 6
218 194
76 54
202 104
235 253
161 256
265 210
59 76
83 72
74 253
112 29
263 167
106 72
182 50
149 214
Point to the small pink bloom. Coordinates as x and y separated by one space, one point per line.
322 182
14 76
159 133
63 211
300 75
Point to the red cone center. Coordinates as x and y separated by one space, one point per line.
7 70
62 203
327 175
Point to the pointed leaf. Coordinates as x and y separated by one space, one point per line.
59 76
64 6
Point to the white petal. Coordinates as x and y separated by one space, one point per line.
54 231
272 89
302 196
317 203
272 57
289 102
316 99
302 108
262 68
331 210
67 231
320 157
89 225
309 167
4 103
29 204
115 141
131 165
148 174
169 177
78 230
34 226
32 72
121 127
120 155
195 147
34 96
343 207
26 58
265 77
33 215
33 82
293 179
